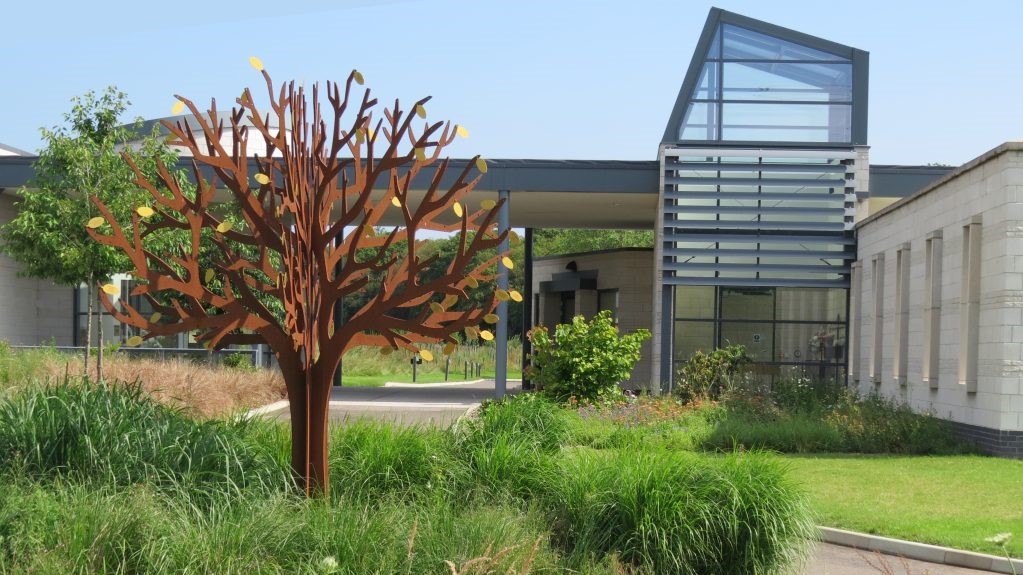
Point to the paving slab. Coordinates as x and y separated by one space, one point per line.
829 559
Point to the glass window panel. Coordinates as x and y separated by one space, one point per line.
775 81
787 122
700 122
693 336
757 337
714 51
607 299
811 304
747 303
694 301
708 87
743 44
810 343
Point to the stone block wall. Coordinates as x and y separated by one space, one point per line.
987 191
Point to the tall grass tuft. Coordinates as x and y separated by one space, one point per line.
680 513
115 434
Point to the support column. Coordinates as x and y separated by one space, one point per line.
527 305
501 369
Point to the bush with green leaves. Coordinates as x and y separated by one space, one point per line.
239 360
707 375
584 359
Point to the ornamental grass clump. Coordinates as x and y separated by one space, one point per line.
585 360
679 513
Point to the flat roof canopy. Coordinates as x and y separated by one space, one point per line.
543 193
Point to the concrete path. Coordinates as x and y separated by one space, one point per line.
838 560
442 404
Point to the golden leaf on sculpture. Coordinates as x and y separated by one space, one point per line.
330 330
111 289
515 295
177 108
133 341
514 237
95 222
263 179
481 165
501 295
488 204
360 135
436 307
461 131
144 211
486 335
457 208
426 354
420 111
224 227
507 262
256 63
155 317
357 75
385 350
471 332
491 318
471 282
396 202
449 348
449 301
420 154
209 275
370 133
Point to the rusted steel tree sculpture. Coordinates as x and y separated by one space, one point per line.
304 232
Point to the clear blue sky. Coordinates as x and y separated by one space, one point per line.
529 79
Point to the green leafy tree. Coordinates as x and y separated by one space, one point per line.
560 242
80 160
584 360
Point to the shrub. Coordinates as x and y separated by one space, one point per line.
585 360
673 512
706 376
239 360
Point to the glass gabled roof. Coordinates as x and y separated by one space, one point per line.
754 82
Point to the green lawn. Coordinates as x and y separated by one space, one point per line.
955 501
430 377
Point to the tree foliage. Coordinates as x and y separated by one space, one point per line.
584 359
555 242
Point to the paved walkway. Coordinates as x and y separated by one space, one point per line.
442 404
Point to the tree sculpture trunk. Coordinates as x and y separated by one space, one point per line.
99 344
309 402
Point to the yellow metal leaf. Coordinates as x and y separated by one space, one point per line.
501 295
515 295
144 211
420 111
449 348
491 318
436 307
330 330
256 63
449 301
95 222
133 341
385 350
461 131
358 77
420 154
481 165
508 263
488 204
471 332
426 354
370 133
514 237
360 135
209 275
111 289
177 108
155 317
471 282
457 208
396 202
486 335
263 179
224 227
